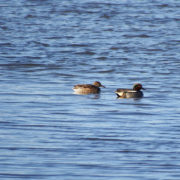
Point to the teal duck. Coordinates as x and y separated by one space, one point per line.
130 93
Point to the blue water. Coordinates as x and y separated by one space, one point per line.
47 132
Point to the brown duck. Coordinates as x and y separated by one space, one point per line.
88 88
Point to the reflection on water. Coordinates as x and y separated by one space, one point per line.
135 99
91 95
47 131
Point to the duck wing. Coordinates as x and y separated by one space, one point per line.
83 86
123 90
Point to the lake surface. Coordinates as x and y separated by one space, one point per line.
47 132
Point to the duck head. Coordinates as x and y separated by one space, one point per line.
98 84
138 87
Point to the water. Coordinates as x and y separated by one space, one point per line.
47 132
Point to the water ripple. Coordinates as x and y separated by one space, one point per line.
49 46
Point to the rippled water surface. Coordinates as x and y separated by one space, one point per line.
47 132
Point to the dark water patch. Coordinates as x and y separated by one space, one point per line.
18 175
103 139
37 43
6 44
136 36
79 45
30 16
32 66
102 58
21 65
53 149
114 48
106 71
88 52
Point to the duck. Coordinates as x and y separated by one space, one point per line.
135 92
88 88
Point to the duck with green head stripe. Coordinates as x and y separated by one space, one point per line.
130 93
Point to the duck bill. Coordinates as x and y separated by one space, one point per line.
143 88
103 86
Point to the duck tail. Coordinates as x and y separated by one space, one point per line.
117 94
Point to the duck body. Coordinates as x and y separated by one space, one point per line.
130 93
88 88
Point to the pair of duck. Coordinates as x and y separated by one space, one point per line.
94 88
